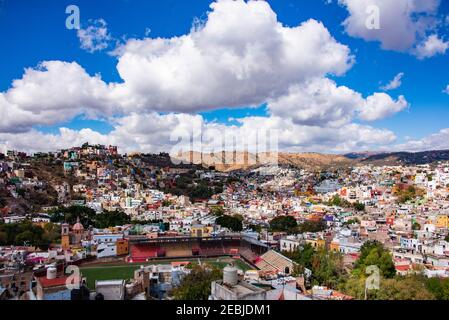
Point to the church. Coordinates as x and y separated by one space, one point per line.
72 238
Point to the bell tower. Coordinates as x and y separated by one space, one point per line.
65 235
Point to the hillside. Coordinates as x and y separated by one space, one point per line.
406 158
311 161
230 161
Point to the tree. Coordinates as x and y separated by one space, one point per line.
411 193
111 219
359 206
217 211
26 236
233 223
71 214
339 202
201 191
166 203
312 226
403 288
327 268
416 226
446 238
351 221
374 253
3 238
438 287
197 284
283 224
255 227
302 256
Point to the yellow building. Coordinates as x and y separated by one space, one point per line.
334 246
442 221
317 244
200 230
122 247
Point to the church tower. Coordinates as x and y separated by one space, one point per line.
65 236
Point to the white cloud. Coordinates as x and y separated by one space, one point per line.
321 102
95 37
447 89
53 92
381 105
155 133
394 84
403 23
435 141
36 141
432 46
241 56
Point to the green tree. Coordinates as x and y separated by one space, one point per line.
438 287
374 253
25 236
201 191
283 224
197 284
351 221
232 223
416 226
255 227
111 219
312 226
3 238
339 202
327 268
217 211
71 214
403 288
302 256
166 203
359 206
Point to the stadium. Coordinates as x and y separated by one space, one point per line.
143 249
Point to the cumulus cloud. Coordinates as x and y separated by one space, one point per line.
447 89
53 92
404 24
322 103
95 37
381 105
240 56
177 131
432 46
436 141
395 83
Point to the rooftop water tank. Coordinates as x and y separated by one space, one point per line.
230 276
51 273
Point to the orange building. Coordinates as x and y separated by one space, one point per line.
122 247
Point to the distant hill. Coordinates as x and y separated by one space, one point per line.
407 158
229 161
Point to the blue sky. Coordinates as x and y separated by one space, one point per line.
34 30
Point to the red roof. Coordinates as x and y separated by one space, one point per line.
47 283
403 268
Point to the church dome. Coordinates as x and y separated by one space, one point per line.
78 226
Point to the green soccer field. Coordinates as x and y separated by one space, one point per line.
126 271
